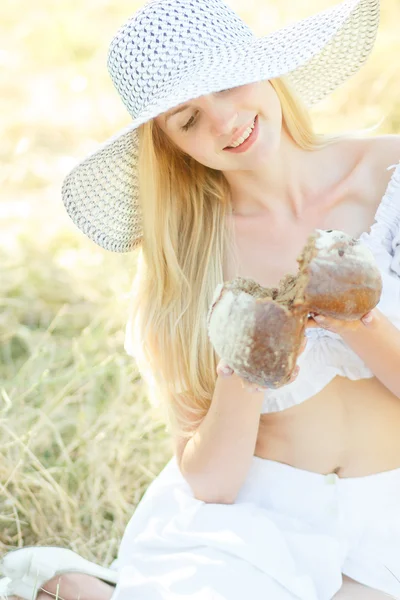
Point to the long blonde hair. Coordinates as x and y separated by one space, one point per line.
185 237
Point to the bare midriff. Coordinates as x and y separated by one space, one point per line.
350 427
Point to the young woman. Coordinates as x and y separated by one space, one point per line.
287 493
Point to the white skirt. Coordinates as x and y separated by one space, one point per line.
290 534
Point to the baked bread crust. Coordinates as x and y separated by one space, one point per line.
259 331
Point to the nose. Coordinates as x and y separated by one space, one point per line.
221 113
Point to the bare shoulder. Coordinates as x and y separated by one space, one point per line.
384 150
380 152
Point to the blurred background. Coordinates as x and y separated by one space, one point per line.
79 440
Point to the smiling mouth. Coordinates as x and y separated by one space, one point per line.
245 135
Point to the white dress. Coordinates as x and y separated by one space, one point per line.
291 533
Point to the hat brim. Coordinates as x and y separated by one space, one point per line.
317 54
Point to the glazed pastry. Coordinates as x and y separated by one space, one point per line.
259 331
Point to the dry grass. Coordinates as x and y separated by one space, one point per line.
79 440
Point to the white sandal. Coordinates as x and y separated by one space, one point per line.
26 570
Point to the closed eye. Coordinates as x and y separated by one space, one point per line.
190 123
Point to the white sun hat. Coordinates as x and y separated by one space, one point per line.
173 51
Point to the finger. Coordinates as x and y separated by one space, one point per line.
368 318
224 369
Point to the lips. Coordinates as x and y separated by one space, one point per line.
241 132
248 143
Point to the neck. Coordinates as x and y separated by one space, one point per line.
292 180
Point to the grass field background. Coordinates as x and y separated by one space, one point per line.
79 441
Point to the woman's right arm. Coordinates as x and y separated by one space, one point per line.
216 459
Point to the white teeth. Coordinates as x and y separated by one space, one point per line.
244 137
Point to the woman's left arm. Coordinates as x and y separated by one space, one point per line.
376 341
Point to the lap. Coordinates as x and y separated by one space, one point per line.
272 539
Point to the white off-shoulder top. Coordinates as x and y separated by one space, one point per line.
326 354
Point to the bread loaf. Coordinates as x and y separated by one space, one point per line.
259 331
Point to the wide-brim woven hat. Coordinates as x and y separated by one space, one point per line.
173 51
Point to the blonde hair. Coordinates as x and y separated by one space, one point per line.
185 239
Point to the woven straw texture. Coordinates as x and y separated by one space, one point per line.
172 51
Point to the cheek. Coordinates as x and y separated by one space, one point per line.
272 101
200 148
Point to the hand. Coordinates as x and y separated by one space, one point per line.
342 327
224 370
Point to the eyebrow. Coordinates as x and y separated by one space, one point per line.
176 111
